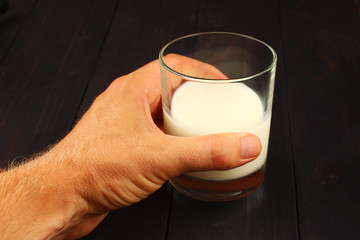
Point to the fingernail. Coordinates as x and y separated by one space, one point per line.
250 147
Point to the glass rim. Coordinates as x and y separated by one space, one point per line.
198 79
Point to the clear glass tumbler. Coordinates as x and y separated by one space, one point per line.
228 88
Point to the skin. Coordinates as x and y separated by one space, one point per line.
115 156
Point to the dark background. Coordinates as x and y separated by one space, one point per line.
57 56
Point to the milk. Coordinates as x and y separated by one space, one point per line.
205 108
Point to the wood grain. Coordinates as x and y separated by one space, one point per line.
57 56
322 59
46 70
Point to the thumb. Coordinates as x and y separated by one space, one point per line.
212 152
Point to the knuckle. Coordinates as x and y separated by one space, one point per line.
173 59
217 154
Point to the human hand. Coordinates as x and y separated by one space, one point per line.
129 157
116 155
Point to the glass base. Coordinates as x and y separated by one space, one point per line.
217 191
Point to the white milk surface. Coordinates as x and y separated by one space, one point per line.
204 108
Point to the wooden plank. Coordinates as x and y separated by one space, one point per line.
137 34
11 23
270 212
322 55
44 74
3 6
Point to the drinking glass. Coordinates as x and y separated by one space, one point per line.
228 88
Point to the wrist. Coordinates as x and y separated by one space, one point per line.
38 199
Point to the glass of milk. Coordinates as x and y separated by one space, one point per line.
229 88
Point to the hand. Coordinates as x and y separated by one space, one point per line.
116 155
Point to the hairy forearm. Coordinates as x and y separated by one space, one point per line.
38 199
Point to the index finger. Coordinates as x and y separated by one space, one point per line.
147 78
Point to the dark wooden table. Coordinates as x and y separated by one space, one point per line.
57 56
